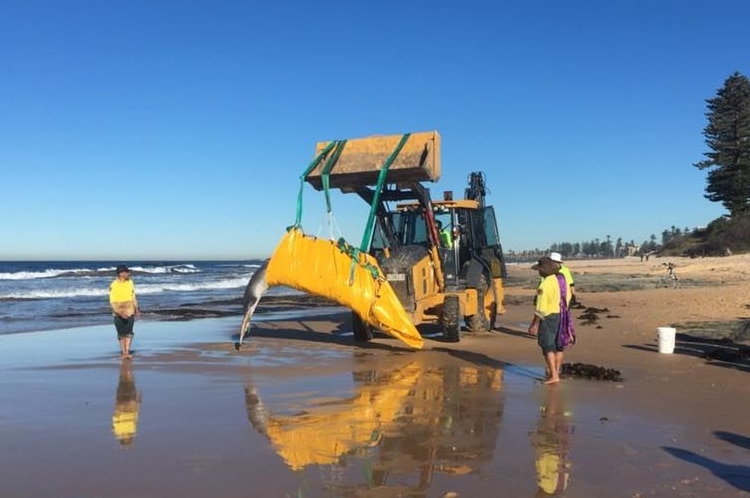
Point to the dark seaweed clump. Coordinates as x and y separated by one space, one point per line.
591 372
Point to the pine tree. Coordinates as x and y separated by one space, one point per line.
727 134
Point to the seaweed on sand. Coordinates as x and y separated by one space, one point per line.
591 372
591 315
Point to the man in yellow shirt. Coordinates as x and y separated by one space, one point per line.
124 308
546 321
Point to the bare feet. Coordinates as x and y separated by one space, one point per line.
552 380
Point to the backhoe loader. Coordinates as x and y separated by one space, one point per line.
443 258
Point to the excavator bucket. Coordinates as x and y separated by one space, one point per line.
324 268
361 159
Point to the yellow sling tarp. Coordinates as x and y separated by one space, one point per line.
320 267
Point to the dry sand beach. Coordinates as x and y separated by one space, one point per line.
300 411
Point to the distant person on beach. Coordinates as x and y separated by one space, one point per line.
557 258
547 315
671 275
127 405
124 308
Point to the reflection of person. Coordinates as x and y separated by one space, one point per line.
124 308
565 271
127 403
546 321
446 237
551 442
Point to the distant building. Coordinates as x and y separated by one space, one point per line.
633 250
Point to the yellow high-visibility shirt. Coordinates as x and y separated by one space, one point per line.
446 238
121 291
548 296
566 273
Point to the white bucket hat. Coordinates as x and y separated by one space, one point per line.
556 257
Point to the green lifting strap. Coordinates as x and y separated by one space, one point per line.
340 144
312 166
353 253
376 198
373 207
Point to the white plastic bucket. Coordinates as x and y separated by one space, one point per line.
666 337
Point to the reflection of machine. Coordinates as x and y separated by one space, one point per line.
403 424
442 258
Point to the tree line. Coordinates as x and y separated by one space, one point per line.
607 248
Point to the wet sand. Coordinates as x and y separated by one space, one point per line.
301 411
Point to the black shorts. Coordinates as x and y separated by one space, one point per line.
124 326
547 336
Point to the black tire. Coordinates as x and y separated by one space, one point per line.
451 318
480 322
362 329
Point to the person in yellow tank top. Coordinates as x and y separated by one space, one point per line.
124 306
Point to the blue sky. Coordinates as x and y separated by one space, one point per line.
178 129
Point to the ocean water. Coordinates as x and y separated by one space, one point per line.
44 295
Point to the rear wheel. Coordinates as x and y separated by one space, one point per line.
481 322
362 329
451 318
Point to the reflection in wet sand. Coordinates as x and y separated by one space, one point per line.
551 441
400 427
127 404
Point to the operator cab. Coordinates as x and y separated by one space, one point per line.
465 230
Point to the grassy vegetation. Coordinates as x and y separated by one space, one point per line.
722 237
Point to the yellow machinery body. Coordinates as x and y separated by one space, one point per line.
382 294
